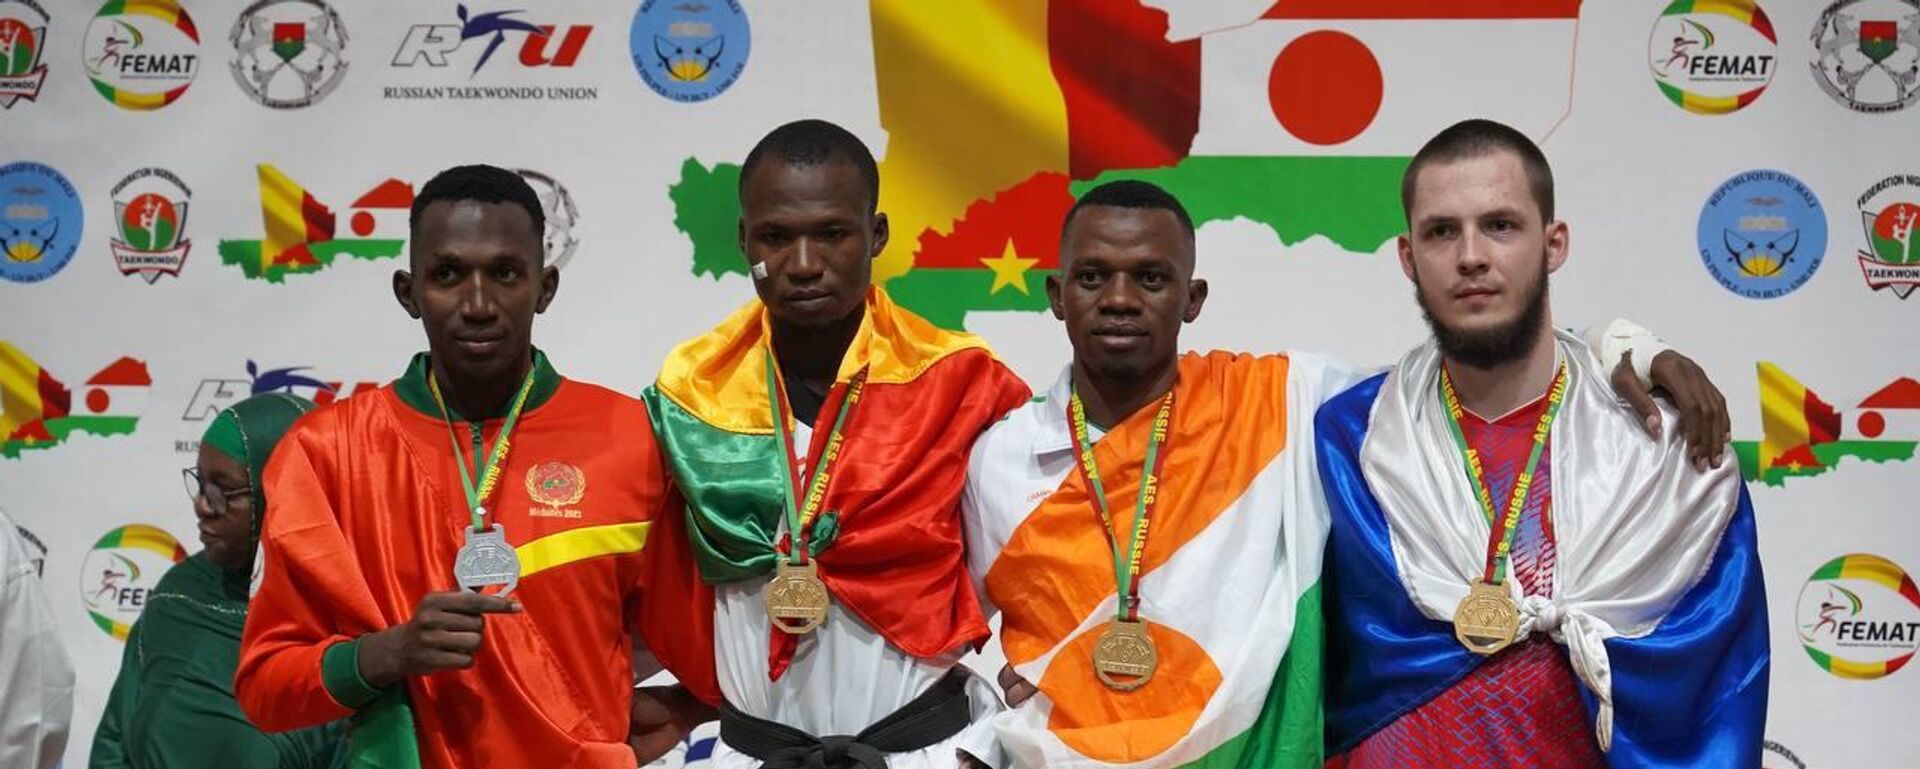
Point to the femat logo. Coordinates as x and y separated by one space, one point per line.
120 572
1859 617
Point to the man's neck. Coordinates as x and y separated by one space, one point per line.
812 355
479 401
1497 391
1109 401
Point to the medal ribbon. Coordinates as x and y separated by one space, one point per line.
1126 565
800 514
496 457
1506 521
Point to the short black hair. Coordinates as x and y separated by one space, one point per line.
813 142
1477 138
484 184
1130 193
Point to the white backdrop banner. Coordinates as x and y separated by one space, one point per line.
203 199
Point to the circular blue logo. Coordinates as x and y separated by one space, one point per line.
1762 234
690 50
40 222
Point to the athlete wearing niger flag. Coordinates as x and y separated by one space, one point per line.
820 436
1151 529
483 469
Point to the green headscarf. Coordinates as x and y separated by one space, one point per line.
247 431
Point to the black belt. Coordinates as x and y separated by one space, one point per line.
938 713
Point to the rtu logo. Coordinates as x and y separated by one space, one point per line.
216 394
432 43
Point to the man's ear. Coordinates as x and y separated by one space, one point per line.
881 232
1558 240
1196 296
1405 245
403 293
1053 297
549 285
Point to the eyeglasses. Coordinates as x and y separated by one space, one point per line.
217 497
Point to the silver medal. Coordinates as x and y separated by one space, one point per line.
487 560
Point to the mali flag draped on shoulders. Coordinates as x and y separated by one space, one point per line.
888 540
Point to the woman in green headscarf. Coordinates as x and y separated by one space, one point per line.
172 705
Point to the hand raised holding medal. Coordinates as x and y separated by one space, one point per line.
485 558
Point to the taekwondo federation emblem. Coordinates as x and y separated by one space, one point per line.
553 486
1889 212
23 36
557 203
1867 54
150 224
690 50
216 394
40 222
491 55
288 53
122 570
431 44
1859 617
1712 58
1762 234
142 54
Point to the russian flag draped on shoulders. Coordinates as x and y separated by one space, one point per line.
1658 598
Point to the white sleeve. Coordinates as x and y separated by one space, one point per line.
973 531
36 678
1615 339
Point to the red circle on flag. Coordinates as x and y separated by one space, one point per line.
1325 87
362 223
98 400
1872 424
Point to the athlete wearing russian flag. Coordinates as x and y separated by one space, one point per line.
1151 529
1516 577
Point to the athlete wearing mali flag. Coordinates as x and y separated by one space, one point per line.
1514 578
1151 530
820 436
480 468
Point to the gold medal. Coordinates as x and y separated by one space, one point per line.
1487 619
1125 657
797 599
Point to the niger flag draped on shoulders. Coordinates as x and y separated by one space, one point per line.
366 515
1230 571
888 538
